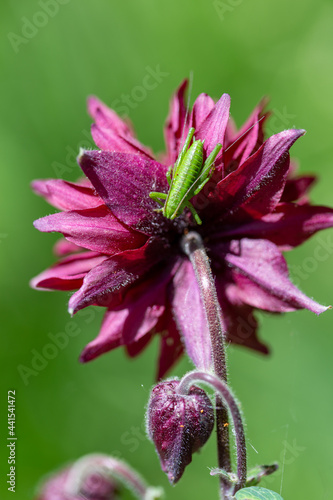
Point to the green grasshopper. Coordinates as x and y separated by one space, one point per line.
186 178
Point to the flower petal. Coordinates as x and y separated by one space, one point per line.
124 182
297 188
212 129
68 273
64 247
111 133
266 284
288 226
106 284
66 195
175 130
129 323
202 106
190 316
96 229
256 186
171 347
245 142
238 319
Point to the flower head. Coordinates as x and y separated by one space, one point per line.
178 425
122 254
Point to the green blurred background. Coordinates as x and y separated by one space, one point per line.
246 48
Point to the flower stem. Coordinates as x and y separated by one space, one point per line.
193 247
222 388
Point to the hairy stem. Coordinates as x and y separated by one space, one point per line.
193 247
229 399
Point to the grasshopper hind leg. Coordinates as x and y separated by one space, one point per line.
194 213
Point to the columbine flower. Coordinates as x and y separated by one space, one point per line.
123 255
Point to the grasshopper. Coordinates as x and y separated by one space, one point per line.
186 178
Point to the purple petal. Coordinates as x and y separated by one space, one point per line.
105 284
64 247
288 226
105 117
202 106
256 186
175 129
66 195
297 188
238 319
96 229
190 316
266 284
136 347
248 139
171 347
124 182
111 133
212 129
68 273
136 317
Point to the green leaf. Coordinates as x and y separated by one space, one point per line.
256 493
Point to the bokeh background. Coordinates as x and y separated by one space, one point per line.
49 64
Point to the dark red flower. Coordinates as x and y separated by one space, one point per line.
123 255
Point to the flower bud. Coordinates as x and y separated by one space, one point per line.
94 486
178 425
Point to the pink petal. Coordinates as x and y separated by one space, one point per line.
297 188
245 142
238 319
202 106
261 263
190 316
111 133
64 247
256 186
66 195
171 347
68 273
175 129
96 229
212 129
129 323
106 284
136 347
288 226
124 182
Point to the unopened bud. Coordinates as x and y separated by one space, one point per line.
178 425
94 486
